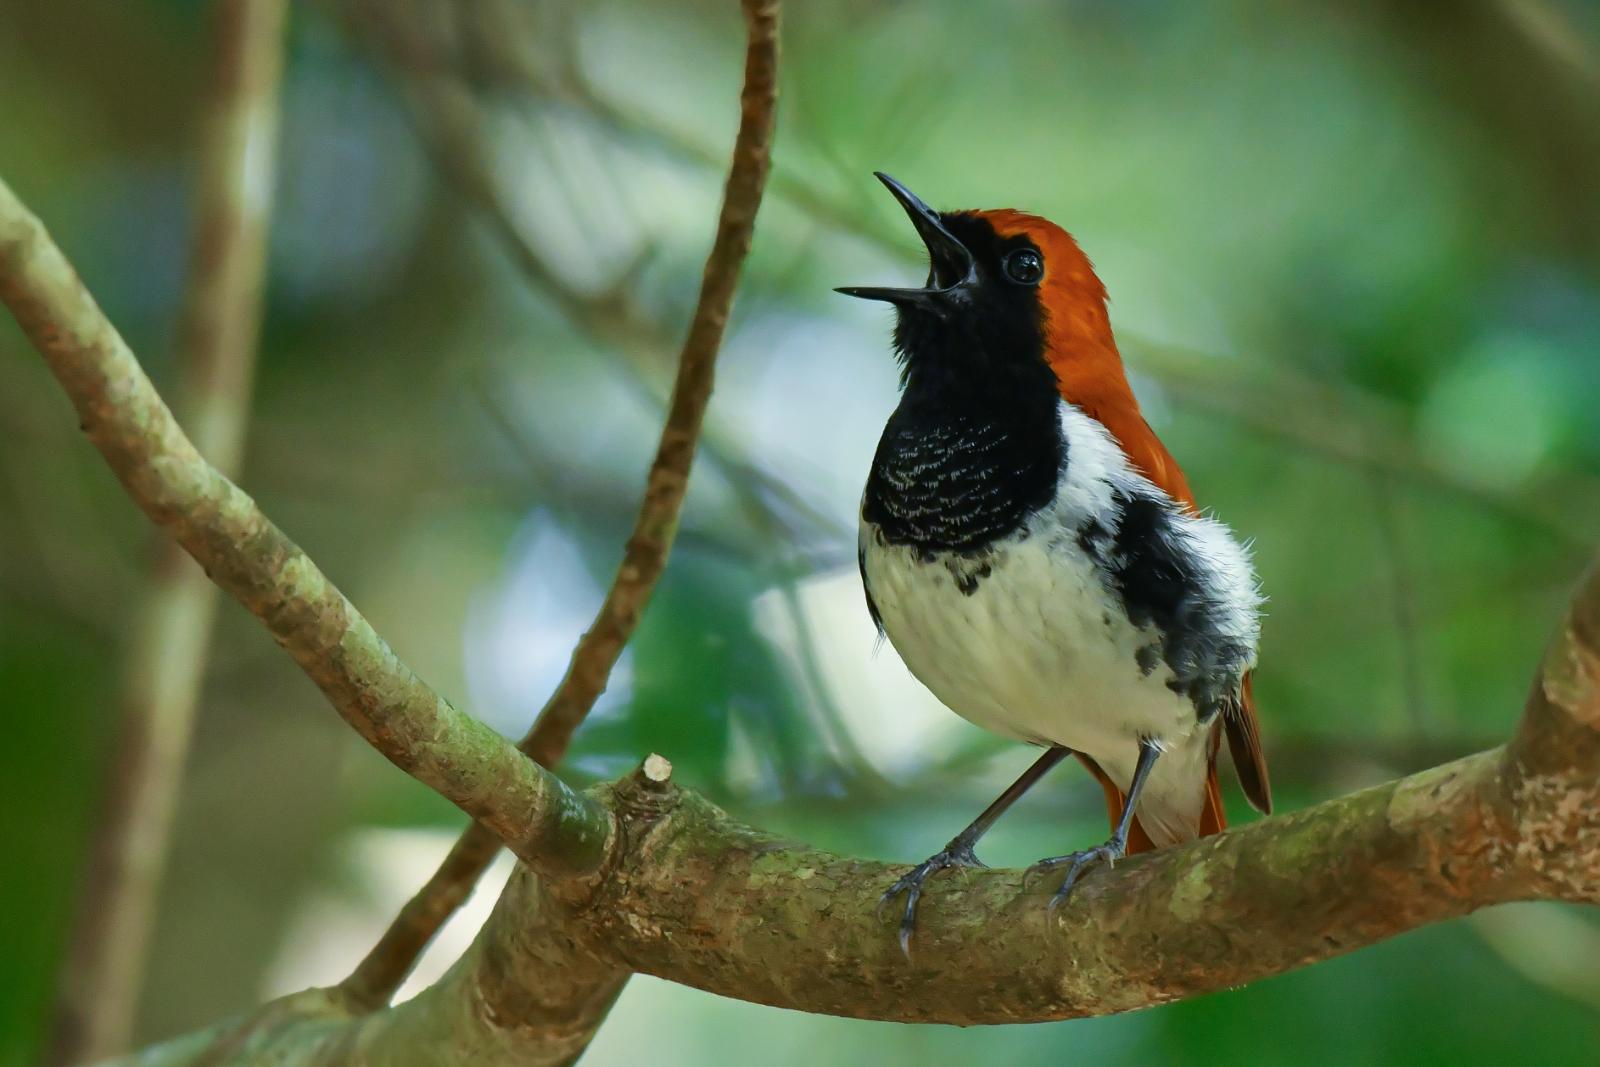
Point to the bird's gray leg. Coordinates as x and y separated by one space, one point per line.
958 853
1117 846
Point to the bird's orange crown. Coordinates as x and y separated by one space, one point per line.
1080 348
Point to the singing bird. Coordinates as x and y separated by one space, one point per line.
1034 553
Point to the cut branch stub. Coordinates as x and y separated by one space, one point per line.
655 772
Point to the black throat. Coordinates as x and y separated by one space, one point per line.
975 446
956 477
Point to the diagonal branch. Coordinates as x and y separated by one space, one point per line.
664 491
217 523
380 974
450 121
165 659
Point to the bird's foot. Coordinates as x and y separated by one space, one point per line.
955 854
1078 862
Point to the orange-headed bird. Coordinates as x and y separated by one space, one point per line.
1034 553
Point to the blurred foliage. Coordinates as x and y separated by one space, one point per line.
1321 223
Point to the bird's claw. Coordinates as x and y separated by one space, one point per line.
910 883
1076 863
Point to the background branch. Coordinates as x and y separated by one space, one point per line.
169 638
432 54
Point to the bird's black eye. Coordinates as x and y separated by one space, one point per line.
1024 266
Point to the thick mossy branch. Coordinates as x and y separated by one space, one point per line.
1553 764
697 898
700 899
712 904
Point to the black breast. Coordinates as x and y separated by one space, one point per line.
953 478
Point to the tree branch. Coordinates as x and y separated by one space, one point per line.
699 899
218 524
497 1007
381 973
165 659
653 531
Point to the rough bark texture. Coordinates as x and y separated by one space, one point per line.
730 910
525 997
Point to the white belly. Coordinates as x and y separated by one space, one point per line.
1039 651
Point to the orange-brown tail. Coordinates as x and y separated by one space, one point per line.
1213 817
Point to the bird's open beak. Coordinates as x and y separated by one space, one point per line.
951 265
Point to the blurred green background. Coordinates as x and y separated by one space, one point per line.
1354 253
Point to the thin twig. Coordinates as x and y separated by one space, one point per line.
377 977
166 655
450 125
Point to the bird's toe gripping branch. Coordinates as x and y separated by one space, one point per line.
957 853
1078 862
